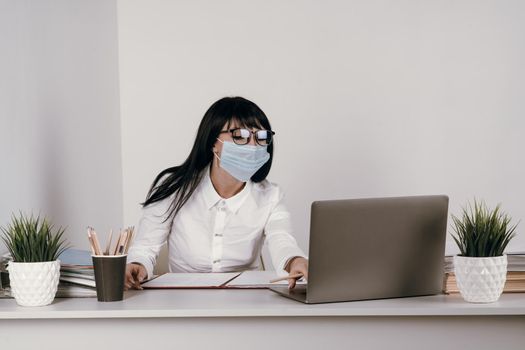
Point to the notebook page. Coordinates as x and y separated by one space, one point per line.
257 279
190 280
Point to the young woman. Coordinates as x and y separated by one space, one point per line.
216 208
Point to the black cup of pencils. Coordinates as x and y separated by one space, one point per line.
110 271
110 265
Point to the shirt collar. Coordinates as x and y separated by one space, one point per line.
211 197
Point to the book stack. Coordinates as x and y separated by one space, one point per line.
77 277
515 274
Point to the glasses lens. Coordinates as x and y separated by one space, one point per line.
241 136
264 137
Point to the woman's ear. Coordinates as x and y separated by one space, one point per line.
215 149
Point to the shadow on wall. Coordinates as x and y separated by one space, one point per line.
52 156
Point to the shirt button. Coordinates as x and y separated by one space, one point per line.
218 235
216 261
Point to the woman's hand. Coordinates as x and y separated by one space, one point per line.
135 273
295 266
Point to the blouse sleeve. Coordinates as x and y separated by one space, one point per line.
278 231
152 232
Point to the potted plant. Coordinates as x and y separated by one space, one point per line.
35 270
481 267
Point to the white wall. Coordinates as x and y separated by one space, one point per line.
368 98
59 112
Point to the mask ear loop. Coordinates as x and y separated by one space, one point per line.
215 153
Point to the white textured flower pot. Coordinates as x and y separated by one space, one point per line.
480 280
34 284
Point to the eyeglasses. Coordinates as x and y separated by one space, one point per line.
242 136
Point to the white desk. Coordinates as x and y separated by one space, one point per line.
260 319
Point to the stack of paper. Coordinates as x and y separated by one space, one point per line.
516 261
71 290
76 270
515 274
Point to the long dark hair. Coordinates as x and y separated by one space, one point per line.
182 180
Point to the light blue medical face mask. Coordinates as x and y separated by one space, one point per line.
242 161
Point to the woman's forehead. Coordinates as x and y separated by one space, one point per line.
236 123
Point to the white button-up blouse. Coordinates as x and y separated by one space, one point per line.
213 234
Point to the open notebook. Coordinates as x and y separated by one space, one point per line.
246 279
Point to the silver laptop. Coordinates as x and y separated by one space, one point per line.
373 249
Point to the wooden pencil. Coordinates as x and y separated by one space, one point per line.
91 243
120 243
295 276
129 239
123 242
98 250
117 244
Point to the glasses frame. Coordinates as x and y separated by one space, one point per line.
253 134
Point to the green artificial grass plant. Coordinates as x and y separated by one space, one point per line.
30 239
481 232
